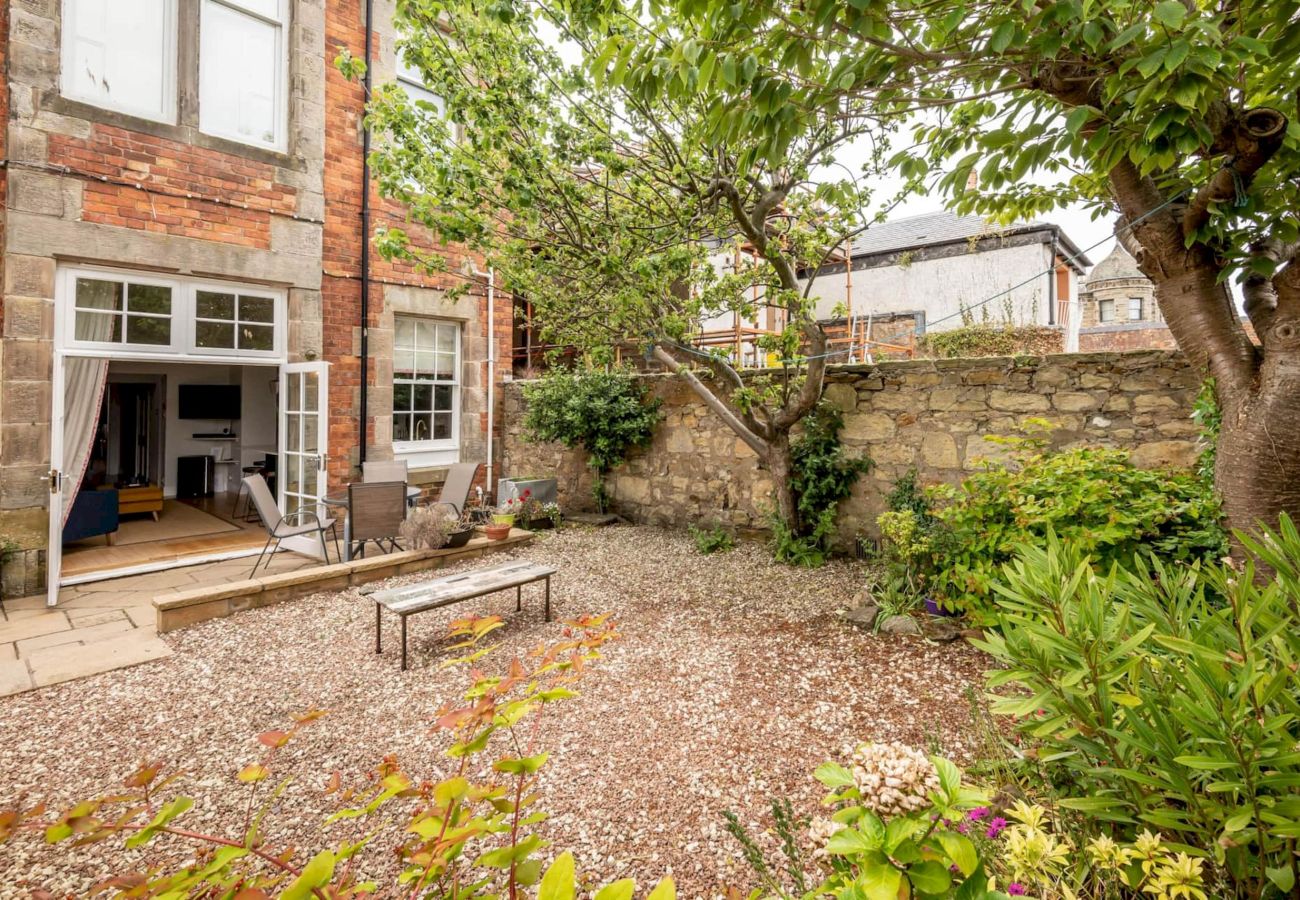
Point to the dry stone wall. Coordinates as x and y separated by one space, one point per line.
942 416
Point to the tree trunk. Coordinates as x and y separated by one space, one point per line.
1257 468
780 465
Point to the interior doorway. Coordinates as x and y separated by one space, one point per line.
173 441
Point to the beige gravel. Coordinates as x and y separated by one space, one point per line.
734 678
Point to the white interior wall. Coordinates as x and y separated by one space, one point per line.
258 414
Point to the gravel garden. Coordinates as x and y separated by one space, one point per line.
734 676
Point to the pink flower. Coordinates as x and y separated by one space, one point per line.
996 826
978 813
1016 889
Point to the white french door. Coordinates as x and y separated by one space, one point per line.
304 439
54 542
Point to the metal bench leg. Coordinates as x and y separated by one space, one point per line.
403 643
548 598
378 647
519 597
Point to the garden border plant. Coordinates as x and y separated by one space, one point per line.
605 413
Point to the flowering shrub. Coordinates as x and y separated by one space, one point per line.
470 835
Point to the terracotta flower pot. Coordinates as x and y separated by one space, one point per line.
497 532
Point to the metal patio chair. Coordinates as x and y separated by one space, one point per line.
279 526
384 470
455 490
376 511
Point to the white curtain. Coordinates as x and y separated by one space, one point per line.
83 392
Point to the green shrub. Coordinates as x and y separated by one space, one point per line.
711 538
604 413
1092 498
821 477
1163 697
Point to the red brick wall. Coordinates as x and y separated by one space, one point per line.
161 185
1156 337
341 286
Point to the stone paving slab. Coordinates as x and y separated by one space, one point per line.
14 677
65 663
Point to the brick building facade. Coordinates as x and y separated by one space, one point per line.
178 155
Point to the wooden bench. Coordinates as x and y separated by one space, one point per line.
439 592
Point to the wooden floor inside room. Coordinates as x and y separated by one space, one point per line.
94 555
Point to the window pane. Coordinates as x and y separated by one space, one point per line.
401 427
211 305
442 426
442 397
310 392
420 426
95 294
445 367
256 309
214 334
425 362
149 298
91 326
293 432
446 339
401 396
256 337
239 74
404 333
422 397
148 330
117 54
403 363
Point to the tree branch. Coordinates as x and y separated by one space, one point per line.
712 401
1249 141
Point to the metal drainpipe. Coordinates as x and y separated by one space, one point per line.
491 277
364 413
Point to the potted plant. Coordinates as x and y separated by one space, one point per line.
503 517
464 530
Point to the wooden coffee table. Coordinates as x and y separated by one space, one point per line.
145 498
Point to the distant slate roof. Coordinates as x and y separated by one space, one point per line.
935 229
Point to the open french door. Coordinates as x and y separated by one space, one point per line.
54 540
304 439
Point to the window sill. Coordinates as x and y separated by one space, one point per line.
427 458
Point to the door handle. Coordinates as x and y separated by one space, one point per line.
56 481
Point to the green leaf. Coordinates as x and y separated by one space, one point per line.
618 890
1001 38
880 881
850 841
961 851
1170 13
664 890
833 775
557 883
930 877
317 873
1077 118
1283 877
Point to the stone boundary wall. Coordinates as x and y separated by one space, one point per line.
937 415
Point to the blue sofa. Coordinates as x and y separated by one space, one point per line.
93 513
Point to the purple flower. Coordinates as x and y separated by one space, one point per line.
963 827
1016 889
978 813
996 826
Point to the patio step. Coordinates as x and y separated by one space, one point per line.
78 659
185 608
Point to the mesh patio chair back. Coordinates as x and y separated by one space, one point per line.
455 490
264 501
376 511
383 470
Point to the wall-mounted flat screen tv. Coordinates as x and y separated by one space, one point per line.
208 401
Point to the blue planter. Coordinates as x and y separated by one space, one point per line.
933 608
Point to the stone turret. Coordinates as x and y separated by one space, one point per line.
1117 293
